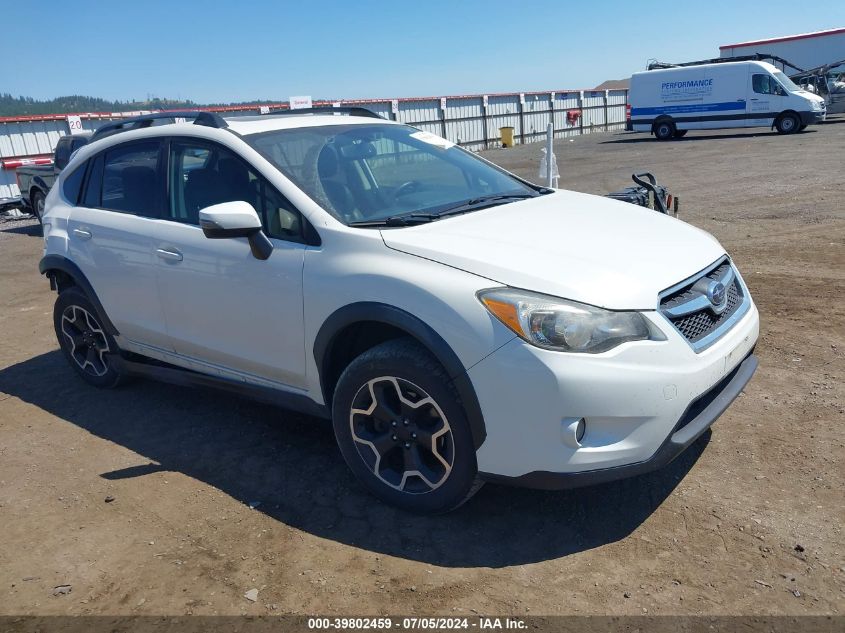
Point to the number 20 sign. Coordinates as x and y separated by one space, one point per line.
75 124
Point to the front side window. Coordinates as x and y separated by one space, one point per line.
125 179
761 85
202 175
371 172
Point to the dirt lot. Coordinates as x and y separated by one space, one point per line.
748 521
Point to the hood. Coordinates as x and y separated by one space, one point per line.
581 247
810 96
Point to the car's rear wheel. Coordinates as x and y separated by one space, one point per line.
86 345
664 130
402 429
37 202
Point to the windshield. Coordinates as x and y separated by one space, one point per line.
371 173
786 82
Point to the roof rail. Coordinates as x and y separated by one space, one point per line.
756 57
347 110
209 119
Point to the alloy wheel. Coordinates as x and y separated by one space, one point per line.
402 435
86 340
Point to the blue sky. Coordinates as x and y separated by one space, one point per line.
238 51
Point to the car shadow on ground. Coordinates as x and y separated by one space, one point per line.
643 137
291 465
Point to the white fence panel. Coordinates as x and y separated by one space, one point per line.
473 121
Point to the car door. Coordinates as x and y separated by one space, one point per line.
224 308
764 97
110 237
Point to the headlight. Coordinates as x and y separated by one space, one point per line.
566 326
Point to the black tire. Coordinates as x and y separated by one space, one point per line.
410 445
788 123
664 130
680 133
84 342
37 202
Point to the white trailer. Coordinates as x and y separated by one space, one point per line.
807 50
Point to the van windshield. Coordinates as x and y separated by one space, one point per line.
786 82
367 174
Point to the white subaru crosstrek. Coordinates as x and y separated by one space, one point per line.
457 324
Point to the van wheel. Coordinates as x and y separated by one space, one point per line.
679 133
664 130
85 344
402 429
788 124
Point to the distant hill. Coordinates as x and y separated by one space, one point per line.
614 84
16 106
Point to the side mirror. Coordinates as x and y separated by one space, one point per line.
236 219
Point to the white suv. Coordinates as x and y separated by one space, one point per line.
456 323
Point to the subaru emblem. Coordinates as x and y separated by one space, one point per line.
717 295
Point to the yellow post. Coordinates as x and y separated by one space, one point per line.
507 136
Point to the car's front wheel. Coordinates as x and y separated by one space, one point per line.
788 124
402 429
86 345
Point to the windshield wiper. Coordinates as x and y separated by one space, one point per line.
398 220
472 204
482 202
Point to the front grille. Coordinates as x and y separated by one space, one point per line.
689 308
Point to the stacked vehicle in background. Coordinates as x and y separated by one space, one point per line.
827 81
35 181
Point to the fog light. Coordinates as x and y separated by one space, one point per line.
572 431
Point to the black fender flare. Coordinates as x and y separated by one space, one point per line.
38 184
50 264
415 327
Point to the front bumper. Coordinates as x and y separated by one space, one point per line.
698 418
633 398
812 117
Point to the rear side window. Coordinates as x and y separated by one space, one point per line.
72 186
126 179
91 197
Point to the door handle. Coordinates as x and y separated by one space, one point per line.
170 254
82 234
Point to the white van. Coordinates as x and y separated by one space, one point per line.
670 101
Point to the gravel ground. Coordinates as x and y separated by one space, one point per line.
212 496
